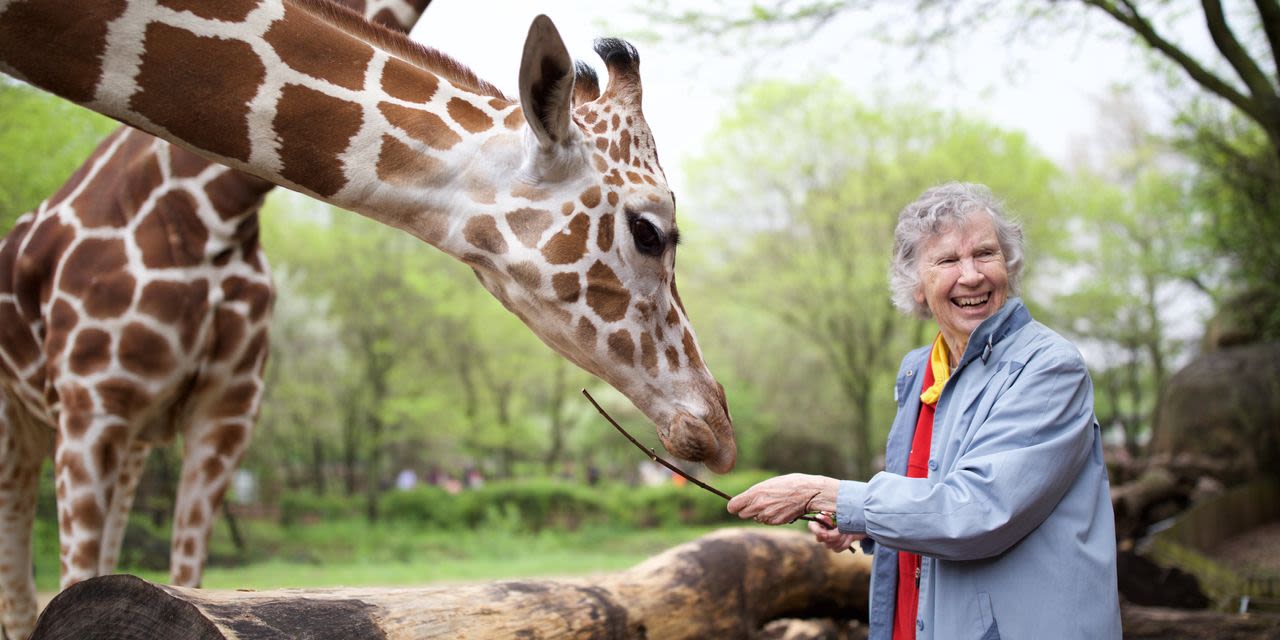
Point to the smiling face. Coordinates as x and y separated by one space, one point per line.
964 278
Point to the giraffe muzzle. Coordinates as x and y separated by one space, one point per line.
711 443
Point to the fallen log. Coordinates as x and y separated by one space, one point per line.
1133 501
728 584
1155 623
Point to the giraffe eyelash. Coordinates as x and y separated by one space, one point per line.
648 238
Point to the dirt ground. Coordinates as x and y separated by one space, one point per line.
1254 552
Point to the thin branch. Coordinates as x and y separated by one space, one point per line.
658 459
651 453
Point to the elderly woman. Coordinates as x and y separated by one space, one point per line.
993 515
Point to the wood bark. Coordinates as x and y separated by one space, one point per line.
728 584
1132 500
1155 623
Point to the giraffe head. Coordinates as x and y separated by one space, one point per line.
589 263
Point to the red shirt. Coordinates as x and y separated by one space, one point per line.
904 616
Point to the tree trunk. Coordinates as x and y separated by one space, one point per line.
350 458
555 411
317 465
728 584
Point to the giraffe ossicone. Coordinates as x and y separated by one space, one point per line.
557 202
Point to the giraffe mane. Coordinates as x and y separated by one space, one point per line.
586 84
401 46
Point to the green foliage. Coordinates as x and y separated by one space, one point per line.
537 504
1238 170
1137 269
388 355
810 179
534 505
671 505
42 140
305 506
427 506
146 545
1226 94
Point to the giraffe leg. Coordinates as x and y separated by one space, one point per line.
212 448
19 475
121 502
85 470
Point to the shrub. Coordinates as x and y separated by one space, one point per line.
304 506
145 546
671 505
427 506
536 504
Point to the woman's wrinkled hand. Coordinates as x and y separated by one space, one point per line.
830 537
782 499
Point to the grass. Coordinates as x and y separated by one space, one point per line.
354 553
527 528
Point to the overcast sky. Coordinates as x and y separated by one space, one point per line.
1046 90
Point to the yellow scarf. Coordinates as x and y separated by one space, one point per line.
941 371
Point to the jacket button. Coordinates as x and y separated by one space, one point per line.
933 465
919 624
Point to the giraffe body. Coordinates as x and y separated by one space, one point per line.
557 201
135 303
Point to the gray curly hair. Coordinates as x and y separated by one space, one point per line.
934 212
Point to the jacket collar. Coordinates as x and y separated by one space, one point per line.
1011 317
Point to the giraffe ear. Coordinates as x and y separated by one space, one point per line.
546 82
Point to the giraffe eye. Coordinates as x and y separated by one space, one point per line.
649 240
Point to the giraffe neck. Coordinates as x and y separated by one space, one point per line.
563 212
236 195
296 92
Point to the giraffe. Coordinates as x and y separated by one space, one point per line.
557 200
206 293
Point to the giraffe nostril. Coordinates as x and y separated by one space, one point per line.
691 438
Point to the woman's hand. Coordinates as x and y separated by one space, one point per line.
830 537
782 499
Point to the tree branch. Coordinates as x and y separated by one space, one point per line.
1131 19
1230 47
1269 11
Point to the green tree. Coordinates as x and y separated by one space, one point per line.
1229 121
1137 265
298 431
388 354
806 181
358 270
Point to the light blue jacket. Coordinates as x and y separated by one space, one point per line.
1014 522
